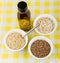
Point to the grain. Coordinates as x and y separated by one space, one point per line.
40 48
15 41
46 25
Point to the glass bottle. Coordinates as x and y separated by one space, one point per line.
23 16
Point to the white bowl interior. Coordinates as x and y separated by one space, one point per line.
19 31
45 15
40 38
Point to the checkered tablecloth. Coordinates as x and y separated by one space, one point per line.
8 21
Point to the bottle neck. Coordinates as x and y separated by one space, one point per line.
23 11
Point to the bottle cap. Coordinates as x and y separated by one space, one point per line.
22 6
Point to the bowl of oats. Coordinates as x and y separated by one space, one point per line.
40 47
47 24
15 40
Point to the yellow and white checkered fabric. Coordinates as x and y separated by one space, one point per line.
8 21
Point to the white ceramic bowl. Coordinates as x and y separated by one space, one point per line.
49 16
19 31
40 38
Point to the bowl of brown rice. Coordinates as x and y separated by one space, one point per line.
40 47
47 24
15 41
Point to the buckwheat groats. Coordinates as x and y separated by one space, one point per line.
46 25
40 48
15 41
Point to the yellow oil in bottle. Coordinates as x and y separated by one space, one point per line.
23 16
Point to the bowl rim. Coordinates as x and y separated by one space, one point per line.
40 38
19 31
45 15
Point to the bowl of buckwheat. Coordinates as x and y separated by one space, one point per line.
40 47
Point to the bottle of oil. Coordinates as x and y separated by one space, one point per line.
23 16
